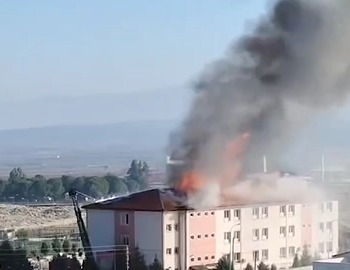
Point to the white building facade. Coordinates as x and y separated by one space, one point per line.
180 238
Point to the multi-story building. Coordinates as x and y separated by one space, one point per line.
161 225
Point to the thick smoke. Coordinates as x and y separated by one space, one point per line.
294 64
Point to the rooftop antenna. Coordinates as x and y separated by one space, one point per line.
265 164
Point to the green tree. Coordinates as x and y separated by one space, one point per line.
55 188
133 186
74 248
38 188
273 267
296 261
248 267
156 265
137 260
22 234
67 182
96 187
134 172
66 246
262 266
16 174
116 184
56 245
306 258
11 258
44 249
2 187
34 253
224 263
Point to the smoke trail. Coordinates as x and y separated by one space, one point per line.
269 83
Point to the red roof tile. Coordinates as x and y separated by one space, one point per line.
148 200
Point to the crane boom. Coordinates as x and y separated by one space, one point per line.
90 260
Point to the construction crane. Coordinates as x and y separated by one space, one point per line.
89 257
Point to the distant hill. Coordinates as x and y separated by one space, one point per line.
145 134
169 103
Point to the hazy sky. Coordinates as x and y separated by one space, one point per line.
63 47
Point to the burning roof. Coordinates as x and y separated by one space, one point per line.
170 199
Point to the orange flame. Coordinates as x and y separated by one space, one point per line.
193 181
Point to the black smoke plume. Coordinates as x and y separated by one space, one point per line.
269 83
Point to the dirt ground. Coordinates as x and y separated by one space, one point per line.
27 217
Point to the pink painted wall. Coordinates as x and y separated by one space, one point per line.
121 229
306 221
106 260
202 243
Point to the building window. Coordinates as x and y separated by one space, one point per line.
192 259
124 219
256 255
265 254
206 258
168 251
283 252
237 235
329 246
329 226
255 213
291 210
321 227
237 256
212 213
237 214
198 236
206 236
256 234
199 258
227 215
265 233
192 237
291 251
227 237
212 235
291 231
168 227
125 239
283 232
176 227
321 207
213 257
191 214
282 210
320 247
176 250
329 206
198 214
264 212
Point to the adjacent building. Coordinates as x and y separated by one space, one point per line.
161 225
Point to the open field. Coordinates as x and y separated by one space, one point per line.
27 217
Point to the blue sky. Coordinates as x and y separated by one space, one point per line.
51 48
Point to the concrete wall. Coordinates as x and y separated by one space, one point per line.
148 228
100 227
171 240
326 236
202 233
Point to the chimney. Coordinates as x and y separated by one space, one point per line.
265 164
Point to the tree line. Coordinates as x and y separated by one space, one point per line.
19 187
66 257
